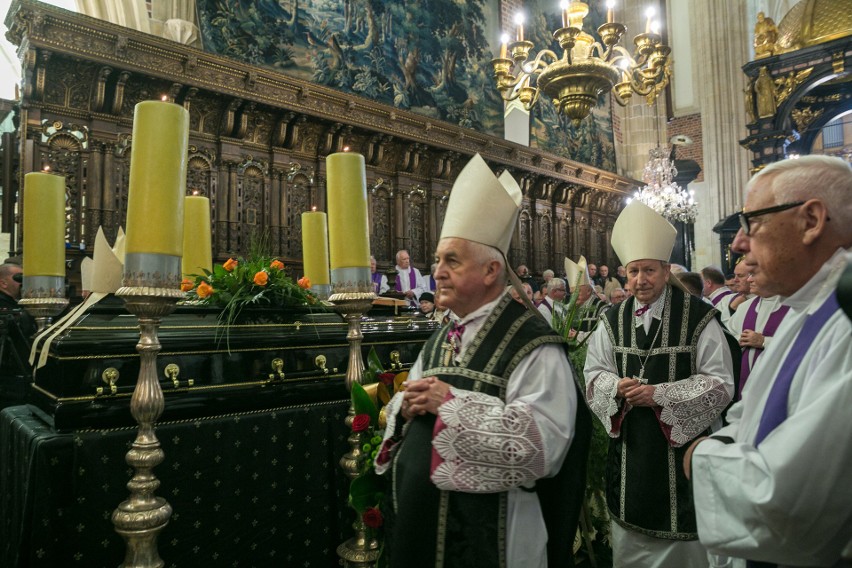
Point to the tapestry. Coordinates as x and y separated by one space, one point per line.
432 57
591 142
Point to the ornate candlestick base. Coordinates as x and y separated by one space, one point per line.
142 516
43 309
43 297
353 301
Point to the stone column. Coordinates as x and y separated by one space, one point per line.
721 45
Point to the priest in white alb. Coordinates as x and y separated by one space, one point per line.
486 448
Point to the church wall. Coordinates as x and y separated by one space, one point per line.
258 141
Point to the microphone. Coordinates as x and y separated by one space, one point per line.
19 277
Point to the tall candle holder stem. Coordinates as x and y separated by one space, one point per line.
362 550
142 516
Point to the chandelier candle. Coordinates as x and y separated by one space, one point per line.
156 195
348 233
197 249
315 251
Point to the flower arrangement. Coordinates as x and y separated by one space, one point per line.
366 492
259 280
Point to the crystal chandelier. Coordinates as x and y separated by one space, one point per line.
663 194
586 69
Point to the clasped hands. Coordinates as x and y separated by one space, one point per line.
635 392
750 338
425 395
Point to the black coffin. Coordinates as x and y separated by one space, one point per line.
268 358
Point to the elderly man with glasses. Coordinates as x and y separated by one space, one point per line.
773 486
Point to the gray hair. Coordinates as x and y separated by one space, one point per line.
547 273
815 176
556 283
483 254
8 268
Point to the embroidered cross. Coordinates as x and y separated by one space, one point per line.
452 344
454 336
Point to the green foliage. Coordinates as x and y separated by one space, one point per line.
259 280
362 403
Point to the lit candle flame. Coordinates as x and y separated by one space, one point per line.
649 14
346 148
519 19
46 169
313 208
164 98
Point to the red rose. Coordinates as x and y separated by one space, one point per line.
361 422
372 517
387 379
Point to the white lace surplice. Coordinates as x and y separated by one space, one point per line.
487 445
687 407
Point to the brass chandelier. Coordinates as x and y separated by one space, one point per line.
586 69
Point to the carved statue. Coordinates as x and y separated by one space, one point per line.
764 88
765 36
749 102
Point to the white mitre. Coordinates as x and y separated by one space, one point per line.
574 271
642 233
108 264
100 276
483 208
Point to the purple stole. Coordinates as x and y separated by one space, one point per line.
718 298
546 303
412 281
775 410
769 330
377 282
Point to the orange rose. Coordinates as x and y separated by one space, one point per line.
261 278
277 265
186 285
304 282
230 265
204 290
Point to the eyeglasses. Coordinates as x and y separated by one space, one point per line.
746 216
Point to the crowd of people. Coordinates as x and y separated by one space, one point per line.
722 396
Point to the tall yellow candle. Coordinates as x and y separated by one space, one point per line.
44 225
157 178
348 234
315 247
197 250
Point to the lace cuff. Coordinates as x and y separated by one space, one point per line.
392 436
690 406
484 445
601 394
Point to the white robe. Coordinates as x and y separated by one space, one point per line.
404 279
764 310
724 305
542 382
788 501
713 362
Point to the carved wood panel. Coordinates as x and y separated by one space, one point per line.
80 63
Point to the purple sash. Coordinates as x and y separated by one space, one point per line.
546 303
412 281
718 298
377 282
775 410
769 330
